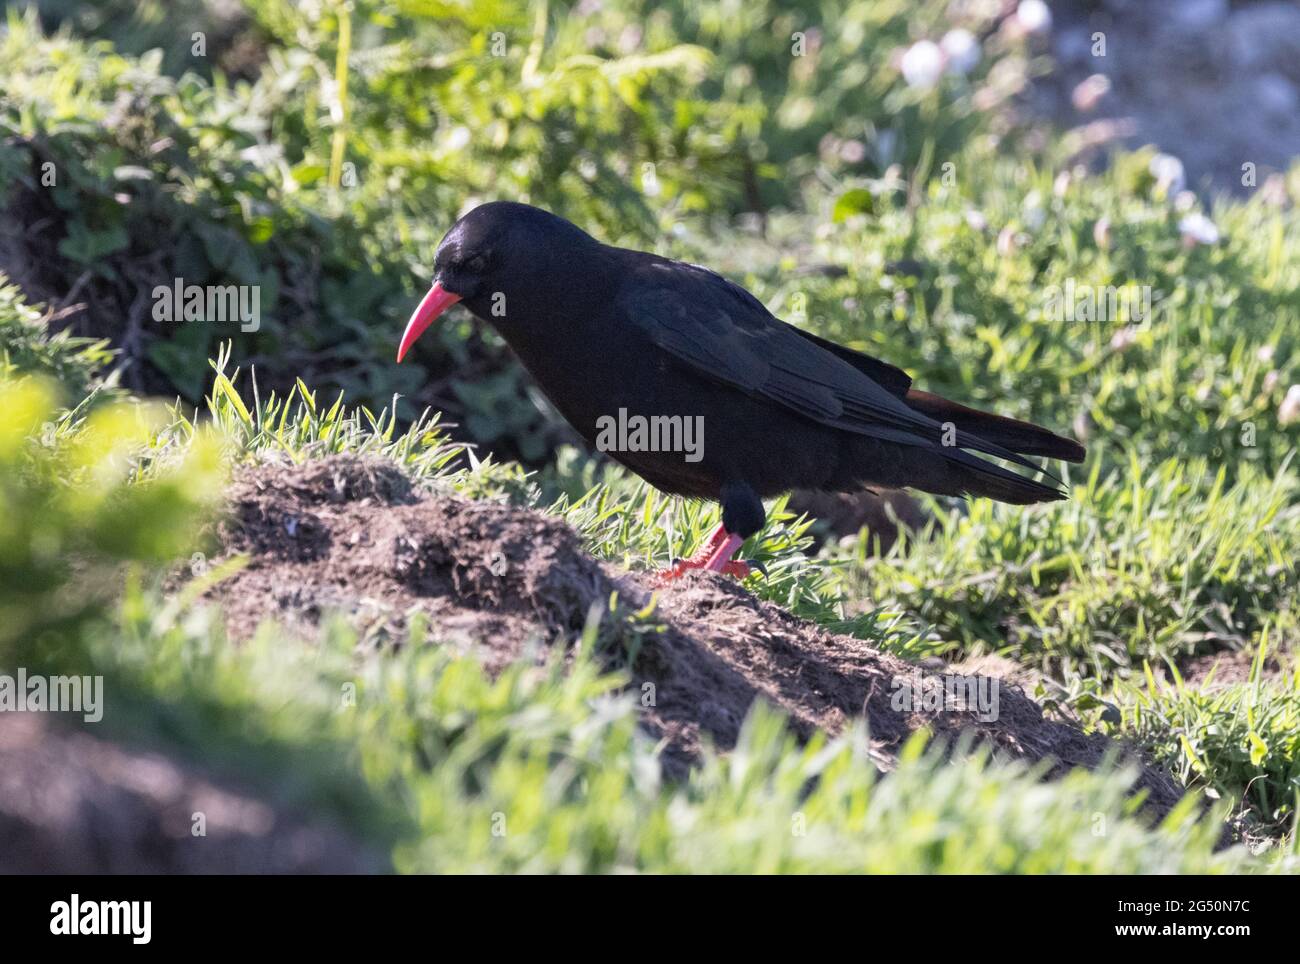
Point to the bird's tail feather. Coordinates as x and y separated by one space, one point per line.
1023 438
968 475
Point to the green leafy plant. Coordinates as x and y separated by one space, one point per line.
73 511
1241 741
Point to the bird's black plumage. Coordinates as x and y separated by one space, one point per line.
604 328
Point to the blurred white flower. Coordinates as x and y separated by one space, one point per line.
1124 339
1101 233
1198 229
457 138
853 152
922 64
1168 172
976 220
263 155
1274 190
630 39
1083 426
1289 410
1089 92
1007 241
1032 208
1034 16
962 50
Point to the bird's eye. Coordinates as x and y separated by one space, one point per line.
477 263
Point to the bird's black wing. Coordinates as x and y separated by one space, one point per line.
890 377
720 331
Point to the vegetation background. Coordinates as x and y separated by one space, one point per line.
872 170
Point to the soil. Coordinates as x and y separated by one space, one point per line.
1231 667
74 803
842 515
355 536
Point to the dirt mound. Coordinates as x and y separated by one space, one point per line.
71 803
349 535
882 514
329 537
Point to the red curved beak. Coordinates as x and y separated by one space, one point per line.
438 300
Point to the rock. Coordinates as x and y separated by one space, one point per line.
1276 96
1266 36
1198 14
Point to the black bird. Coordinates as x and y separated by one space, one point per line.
604 329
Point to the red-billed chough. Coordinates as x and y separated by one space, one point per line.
612 334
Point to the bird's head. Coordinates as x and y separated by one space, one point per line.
497 259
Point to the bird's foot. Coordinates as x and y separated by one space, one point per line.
715 556
679 568
736 568
741 569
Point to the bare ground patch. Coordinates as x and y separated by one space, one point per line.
74 803
352 536
1232 666
883 513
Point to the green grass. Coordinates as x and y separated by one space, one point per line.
1241 741
543 769
1140 565
1153 563
26 348
1180 537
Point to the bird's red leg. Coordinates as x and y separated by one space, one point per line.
714 556
721 560
697 561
